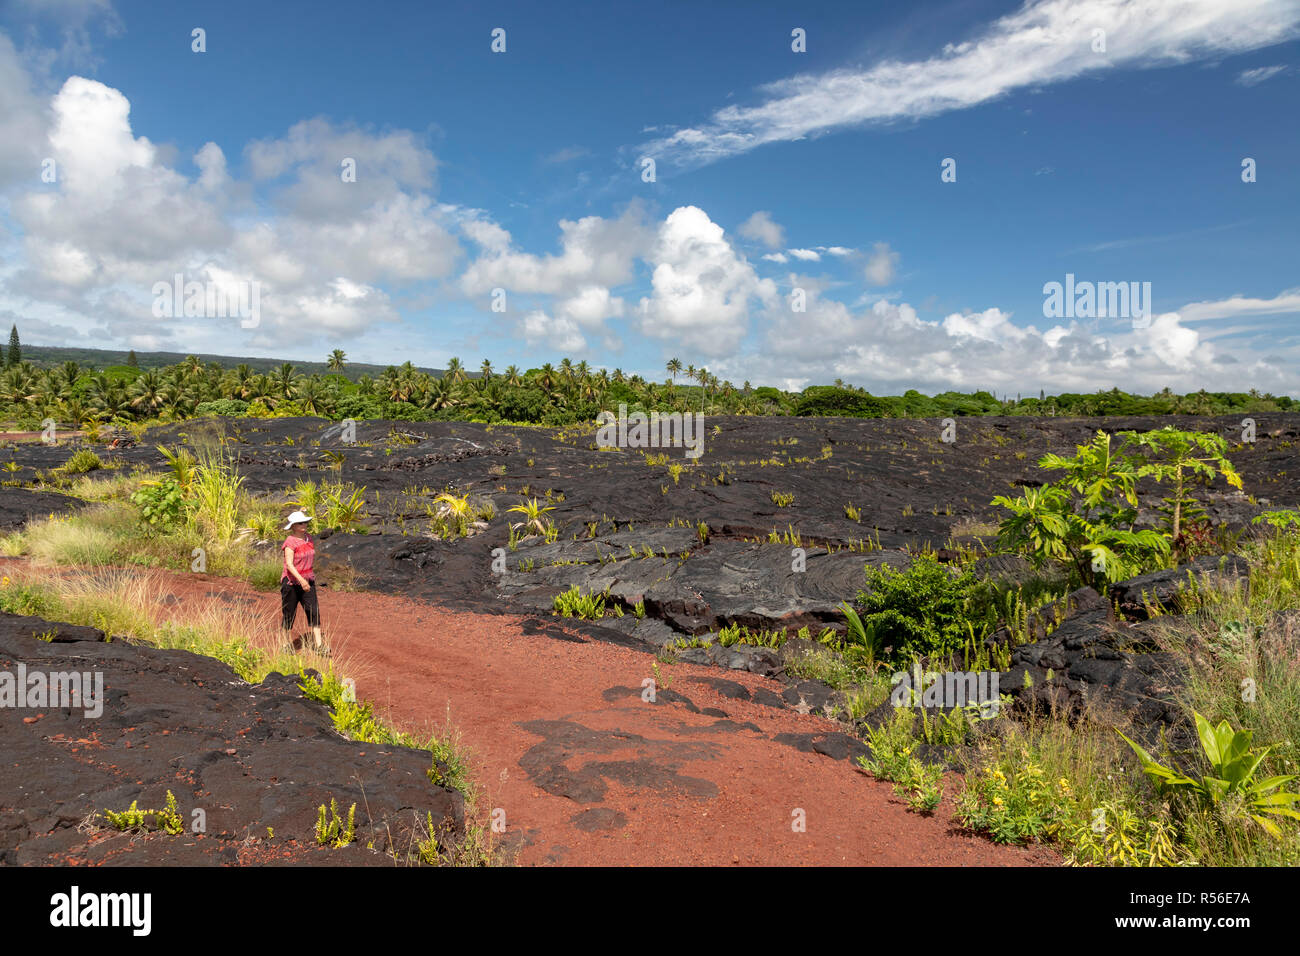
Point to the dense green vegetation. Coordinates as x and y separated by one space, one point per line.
86 386
918 612
1040 778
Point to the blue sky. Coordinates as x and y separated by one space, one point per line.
776 171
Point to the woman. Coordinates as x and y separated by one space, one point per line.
298 580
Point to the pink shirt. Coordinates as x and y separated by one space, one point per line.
304 556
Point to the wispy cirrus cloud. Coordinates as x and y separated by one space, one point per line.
1258 75
1284 302
1044 42
1131 241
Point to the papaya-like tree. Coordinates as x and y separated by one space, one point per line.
1085 518
1185 460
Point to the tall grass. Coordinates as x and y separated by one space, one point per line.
219 517
1243 655
333 504
72 539
215 496
100 487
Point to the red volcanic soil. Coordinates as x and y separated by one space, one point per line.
36 436
588 773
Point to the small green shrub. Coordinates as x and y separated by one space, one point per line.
918 612
866 642
535 520
213 499
573 603
1012 801
332 830
821 665
81 462
28 600
1117 836
161 502
891 759
357 721
265 525
167 819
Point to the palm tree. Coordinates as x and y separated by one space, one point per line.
513 378
313 396
420 389
16 385
263 389
485 371
179 403
241 381
44 389
387 383
108 397
546 377
555 392
284 382
442 394
191 366
398 383
74 410
336 360
455 371
702 376
65 378
149 393
488 395
674 368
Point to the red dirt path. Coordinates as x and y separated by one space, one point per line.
678 787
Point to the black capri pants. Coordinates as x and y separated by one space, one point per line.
291 595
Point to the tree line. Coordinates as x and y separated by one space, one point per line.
552 394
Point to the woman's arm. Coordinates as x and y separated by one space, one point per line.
288 566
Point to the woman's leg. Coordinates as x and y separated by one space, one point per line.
289 598
311 608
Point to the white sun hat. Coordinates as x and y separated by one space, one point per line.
297 518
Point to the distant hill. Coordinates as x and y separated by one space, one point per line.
49 355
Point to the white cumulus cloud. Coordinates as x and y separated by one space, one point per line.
701 287
761 228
